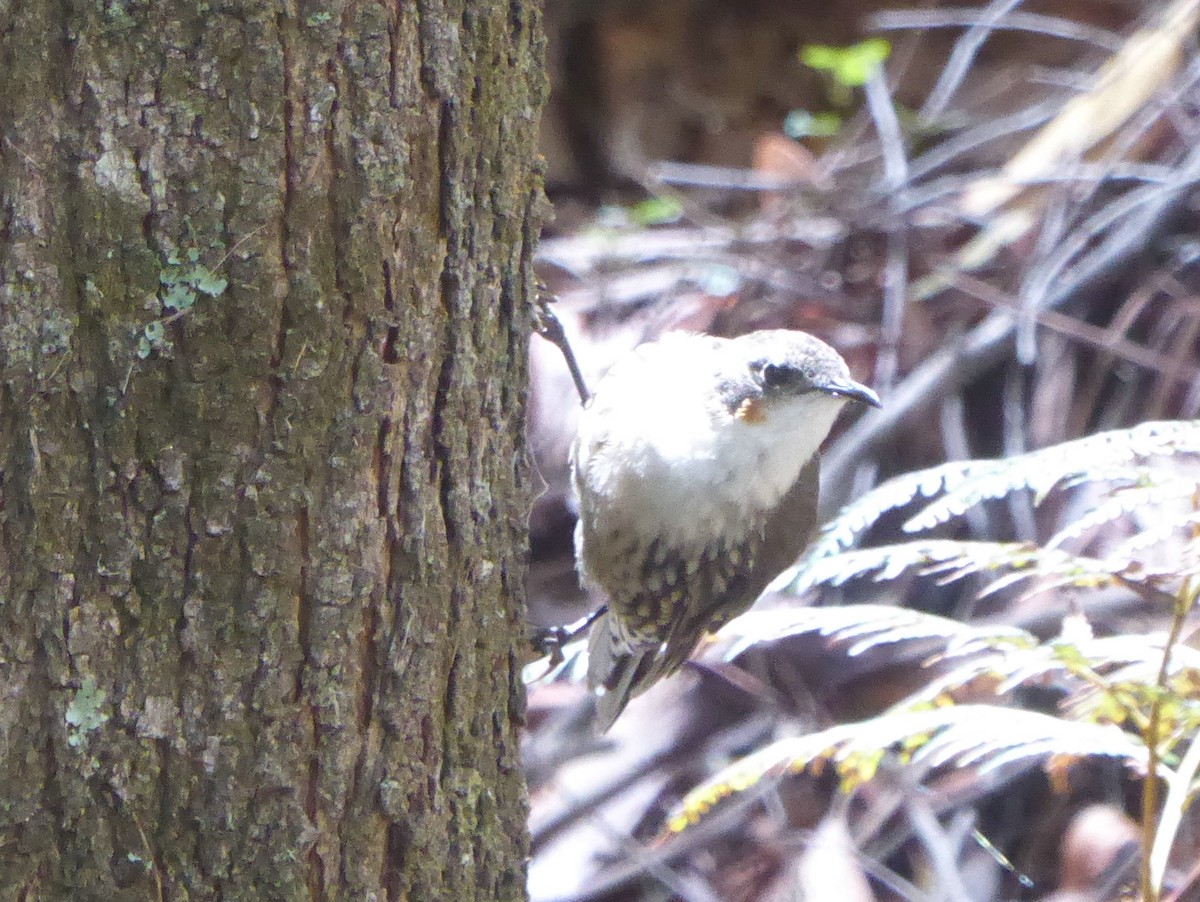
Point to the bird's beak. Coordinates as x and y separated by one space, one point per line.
853 391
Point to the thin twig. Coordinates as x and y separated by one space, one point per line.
959 363
151 862
965 50
727 178
1117 214
984 133
895 281
942 855
1184 603
959 17
1086 175
1107 339
1179 788
1016 442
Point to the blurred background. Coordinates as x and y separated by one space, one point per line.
991 210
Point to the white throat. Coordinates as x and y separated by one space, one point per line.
725 472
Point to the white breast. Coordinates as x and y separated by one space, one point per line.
655 456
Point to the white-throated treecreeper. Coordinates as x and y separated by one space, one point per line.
696 467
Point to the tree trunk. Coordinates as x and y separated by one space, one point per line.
264 277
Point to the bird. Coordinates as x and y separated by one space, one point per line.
695 466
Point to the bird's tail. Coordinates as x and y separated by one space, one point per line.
619 667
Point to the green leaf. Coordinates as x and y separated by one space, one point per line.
657 211
821 57
861 61
803 124
851 66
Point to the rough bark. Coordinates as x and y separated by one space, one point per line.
263 315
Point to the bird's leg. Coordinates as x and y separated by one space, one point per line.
551 640
549 327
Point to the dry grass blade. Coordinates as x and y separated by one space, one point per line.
1123 85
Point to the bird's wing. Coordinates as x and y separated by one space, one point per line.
788 530
785 533
670 620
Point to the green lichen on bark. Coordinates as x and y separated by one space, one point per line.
278 548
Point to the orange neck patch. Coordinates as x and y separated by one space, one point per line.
751 411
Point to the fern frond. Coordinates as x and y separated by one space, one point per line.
1154 491
985 736
1101 676
865 626
952 560
858 516
1088 573
1131 683
995 737
1185 554
1105 457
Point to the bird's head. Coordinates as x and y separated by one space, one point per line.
781 371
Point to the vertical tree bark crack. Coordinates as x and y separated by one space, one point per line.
290 101
303 610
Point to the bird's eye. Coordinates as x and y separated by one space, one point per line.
775 375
